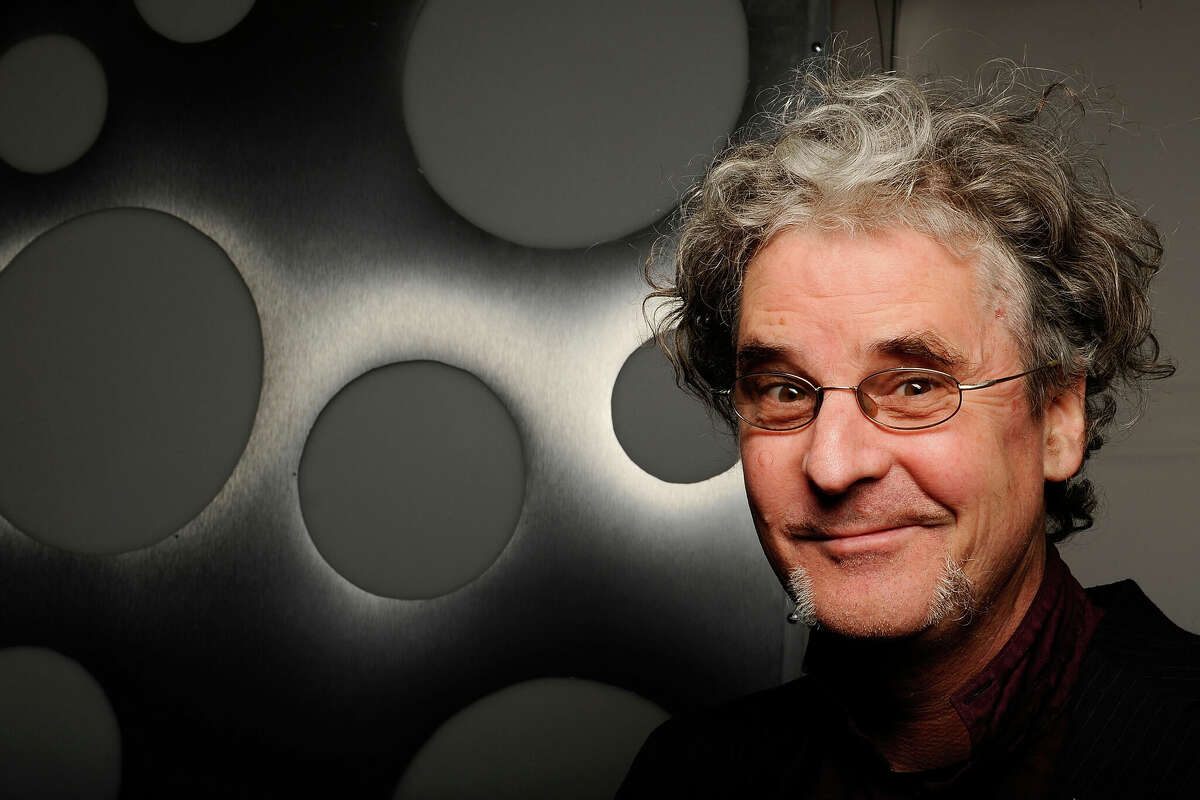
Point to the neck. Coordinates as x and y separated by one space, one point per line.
898 691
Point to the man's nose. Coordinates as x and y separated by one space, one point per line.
843 446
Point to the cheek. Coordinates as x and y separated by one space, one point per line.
952 465
984 473
758 458
766 481
770 495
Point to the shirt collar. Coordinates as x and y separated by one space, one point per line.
1030 680
1028 683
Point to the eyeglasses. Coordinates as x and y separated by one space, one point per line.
902 398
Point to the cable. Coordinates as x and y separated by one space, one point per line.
887 56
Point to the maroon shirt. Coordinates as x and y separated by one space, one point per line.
1014 710
1075 705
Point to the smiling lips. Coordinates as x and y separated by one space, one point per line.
861 525
861 535
827 535
840 544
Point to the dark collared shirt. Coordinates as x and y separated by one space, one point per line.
1013 709
1086 699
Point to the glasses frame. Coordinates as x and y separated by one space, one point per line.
858 395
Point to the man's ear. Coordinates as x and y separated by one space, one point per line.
1065 433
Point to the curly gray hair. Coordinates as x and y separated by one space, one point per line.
991 170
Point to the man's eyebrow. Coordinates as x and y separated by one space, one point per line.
918 347
754 354
923 346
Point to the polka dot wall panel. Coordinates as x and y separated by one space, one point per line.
333 461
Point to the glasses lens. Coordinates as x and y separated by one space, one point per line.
774 401
908 398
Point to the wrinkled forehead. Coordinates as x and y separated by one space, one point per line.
838 294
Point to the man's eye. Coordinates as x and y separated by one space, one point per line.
906 386
784 393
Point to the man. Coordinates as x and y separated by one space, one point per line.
915 304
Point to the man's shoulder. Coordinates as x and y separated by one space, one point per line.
1136 714
1137 638
734 746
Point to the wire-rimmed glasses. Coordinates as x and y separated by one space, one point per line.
900 398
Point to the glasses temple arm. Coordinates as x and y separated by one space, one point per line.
968 387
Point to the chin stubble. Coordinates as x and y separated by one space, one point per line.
953 597
800 588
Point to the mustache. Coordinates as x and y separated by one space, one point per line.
863 519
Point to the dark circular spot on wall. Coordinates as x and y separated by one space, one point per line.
59 736
551 738
556 124
412 480
131 359
54 98
664 430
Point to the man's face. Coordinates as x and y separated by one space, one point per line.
873 515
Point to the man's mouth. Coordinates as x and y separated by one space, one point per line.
849 538
831 533
842 543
